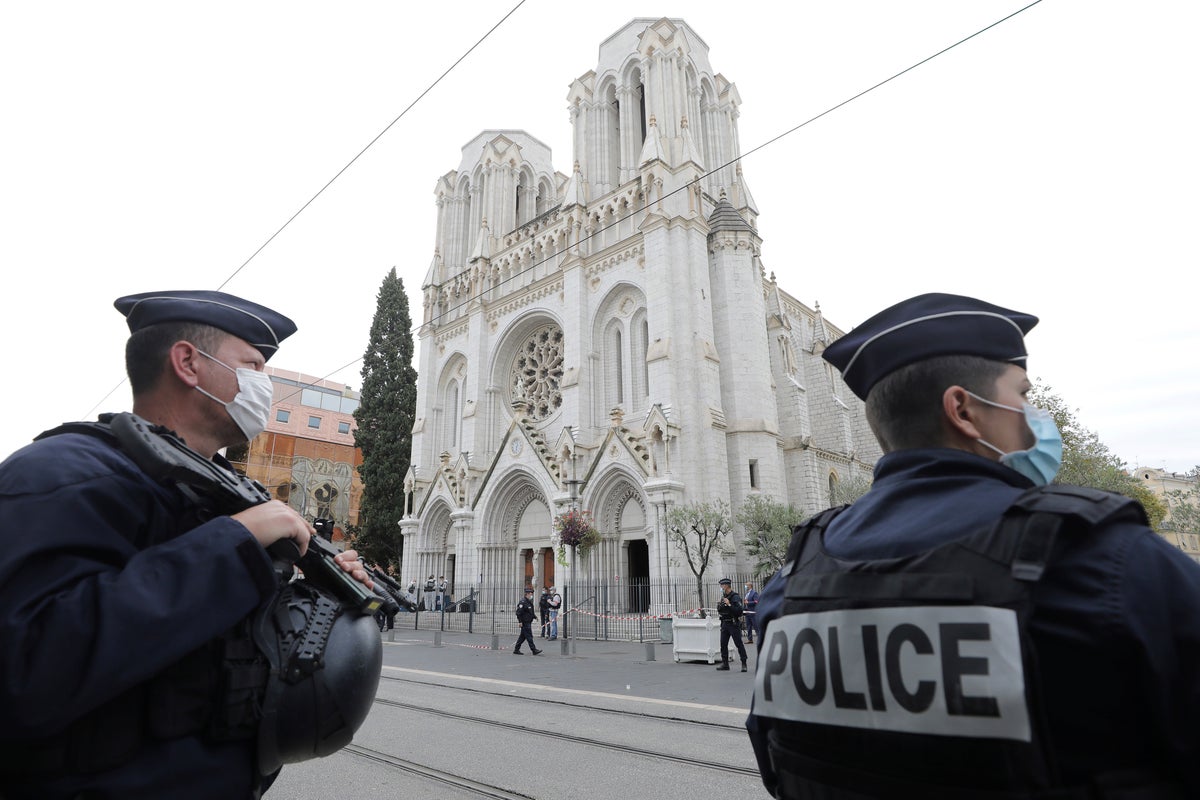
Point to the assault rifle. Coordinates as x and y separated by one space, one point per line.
394 589
390 605
163 456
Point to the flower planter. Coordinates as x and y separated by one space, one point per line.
696 639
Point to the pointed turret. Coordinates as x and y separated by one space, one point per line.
726 218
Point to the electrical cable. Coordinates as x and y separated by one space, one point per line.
730 163
350 163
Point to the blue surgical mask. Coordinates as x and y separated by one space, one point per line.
1041 462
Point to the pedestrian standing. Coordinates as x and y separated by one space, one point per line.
430 593
440 601
555 603
750 604
525 616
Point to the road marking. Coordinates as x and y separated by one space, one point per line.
537 687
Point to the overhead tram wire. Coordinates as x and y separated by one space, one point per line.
329 183
688 185
753 150
373 141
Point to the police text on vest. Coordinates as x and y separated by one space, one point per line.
946 670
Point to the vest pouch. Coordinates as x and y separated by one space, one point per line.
803 778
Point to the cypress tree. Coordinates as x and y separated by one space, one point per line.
385 420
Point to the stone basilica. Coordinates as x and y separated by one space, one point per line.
610 339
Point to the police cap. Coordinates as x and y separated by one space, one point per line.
725 582
256 325
924 327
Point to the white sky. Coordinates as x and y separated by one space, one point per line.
1049 165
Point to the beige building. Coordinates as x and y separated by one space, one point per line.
1161 482
306 457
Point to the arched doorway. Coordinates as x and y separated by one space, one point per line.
639 576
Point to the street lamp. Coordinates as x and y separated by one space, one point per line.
573 489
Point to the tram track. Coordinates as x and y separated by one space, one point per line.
548 701
561 736
431 774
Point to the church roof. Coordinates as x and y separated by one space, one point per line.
726 218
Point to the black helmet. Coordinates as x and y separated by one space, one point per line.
325 666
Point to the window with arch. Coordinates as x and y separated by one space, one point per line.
833 481
639 370
452 416
614 379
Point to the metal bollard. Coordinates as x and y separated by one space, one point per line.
392 635
649 651
437 638
495 641
564 646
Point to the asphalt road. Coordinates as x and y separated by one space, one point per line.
584 720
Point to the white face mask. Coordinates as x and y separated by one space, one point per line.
251 406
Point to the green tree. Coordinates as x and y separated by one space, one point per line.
699 530
846 491
385 420
1087 461
768 526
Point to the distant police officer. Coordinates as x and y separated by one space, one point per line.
525 616
729 609
964 630
544 612
115 600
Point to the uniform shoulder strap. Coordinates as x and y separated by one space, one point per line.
101 430
1027 533
806 537
1090 506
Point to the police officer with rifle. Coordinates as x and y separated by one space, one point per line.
729 609
967 629
154 641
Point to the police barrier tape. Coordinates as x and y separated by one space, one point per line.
668 615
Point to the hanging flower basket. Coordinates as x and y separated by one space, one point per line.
574 528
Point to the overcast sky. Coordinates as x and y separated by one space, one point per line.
1048 165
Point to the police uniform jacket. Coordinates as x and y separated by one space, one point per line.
102 587
730 613
525 611
1115 622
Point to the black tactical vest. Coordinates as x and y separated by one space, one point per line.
298 676
916 676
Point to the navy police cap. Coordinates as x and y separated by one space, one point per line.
725 582
923 327
256 325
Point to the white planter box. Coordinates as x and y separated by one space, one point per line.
697 639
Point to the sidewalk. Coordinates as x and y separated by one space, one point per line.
626 669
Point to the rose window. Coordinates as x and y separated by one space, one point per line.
537 372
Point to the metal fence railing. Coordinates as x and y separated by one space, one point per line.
628 611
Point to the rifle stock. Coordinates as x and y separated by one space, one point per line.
165 457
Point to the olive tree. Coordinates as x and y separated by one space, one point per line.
699 531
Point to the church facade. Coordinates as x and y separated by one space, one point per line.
610 339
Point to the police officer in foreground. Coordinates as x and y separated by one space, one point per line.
729 609
115 673
964 630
